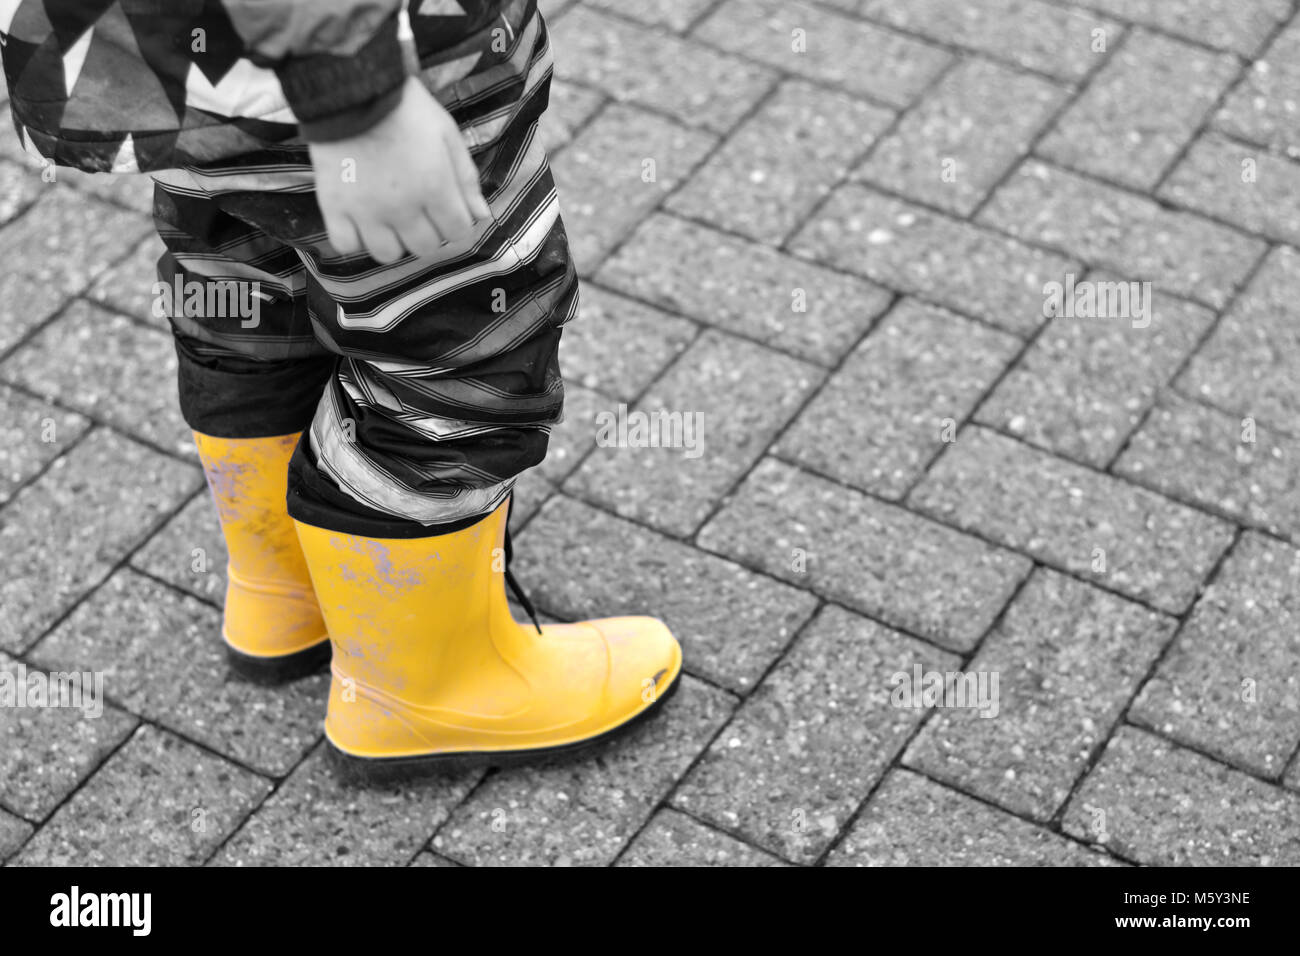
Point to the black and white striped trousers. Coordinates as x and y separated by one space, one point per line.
425 387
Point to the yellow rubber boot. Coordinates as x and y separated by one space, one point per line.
430 670
273 626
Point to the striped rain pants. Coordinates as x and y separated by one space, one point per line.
423 388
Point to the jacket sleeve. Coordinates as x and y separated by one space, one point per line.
339 62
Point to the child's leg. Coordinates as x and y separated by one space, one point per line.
450 380
250 375
447 385
241 376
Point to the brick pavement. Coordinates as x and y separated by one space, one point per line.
839 263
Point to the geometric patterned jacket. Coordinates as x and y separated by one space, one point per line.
139 85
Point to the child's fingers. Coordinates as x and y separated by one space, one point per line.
382 244
478 207
467 175
448 209
421 238
343 235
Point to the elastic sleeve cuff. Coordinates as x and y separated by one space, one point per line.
337 97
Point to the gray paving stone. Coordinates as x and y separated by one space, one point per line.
53 252
600 175
959 142
1252 360
554 9
10 148
1074 518
189 552
162 657
128 286
579 563
1230 685
131 190
1293 778
531 492
829 48
432 859
898 828
674 839
881 417
653 69
1086 382
872 556
13 831
569 442
585 812
314 819
1142 108
1125 233
32 434
569 108
928 254
575 435
63 533
803 752
1068 657
1241 184
1026 33
1223 24
159 801
618 345
104 364
737 394
677 15
788 303
1265 105
18 190
781 161
1197 454
46 752
1160 804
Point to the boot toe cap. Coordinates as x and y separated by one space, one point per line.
645 659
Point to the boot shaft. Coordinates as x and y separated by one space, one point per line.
248 479
406 615
270 610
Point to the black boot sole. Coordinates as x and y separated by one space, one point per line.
279 670
390 770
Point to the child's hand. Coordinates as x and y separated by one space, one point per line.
414 189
